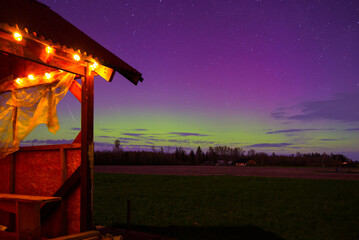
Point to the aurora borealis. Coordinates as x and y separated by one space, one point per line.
275 76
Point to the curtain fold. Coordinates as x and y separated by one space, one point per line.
22 110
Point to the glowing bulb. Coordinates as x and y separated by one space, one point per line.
17 36
31 77
18 81
49 49
48 75
77 57
94 65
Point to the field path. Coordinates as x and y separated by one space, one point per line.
284 172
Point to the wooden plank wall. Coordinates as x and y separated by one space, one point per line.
42 170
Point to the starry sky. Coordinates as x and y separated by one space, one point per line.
271 75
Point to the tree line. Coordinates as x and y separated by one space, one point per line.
218 155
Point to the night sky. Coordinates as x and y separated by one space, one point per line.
275 76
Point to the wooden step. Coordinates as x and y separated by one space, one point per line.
90 235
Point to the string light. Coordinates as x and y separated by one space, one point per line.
48 75
49 49
18 81
31 77
17 36
77 57
94 65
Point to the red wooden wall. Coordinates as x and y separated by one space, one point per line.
40 170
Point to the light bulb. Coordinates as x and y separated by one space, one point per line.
48 75
94 65
18 81
77 57
49 49
17 36
31 77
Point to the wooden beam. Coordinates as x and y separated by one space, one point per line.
105 72
63 206
11 87
87 151
28 224
12 172
50 147
70 184
34 51
78 138
80 236
75 89
12 217
14 119
63 165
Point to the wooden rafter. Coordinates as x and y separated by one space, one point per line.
33 51
76 89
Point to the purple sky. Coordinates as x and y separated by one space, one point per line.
275 76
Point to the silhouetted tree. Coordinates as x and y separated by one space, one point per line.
192 157
251 153
199 155
179 156
117 147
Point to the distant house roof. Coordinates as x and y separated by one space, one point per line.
39 18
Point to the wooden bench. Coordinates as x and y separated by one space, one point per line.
27 210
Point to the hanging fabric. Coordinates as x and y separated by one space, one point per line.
21 110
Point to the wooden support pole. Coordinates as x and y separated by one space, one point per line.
87 150
63 207
28 223
12 172
12 218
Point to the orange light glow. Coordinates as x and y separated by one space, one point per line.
17 36
94 65
49 49
48 75
77 57
31 77
18 81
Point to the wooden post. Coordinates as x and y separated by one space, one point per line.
13 159
28 222
63 216
87 154
12 172
12 218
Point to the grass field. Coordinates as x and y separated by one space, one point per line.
229 207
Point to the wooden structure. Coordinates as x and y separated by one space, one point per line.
39 48
27 211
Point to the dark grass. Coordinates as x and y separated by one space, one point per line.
229 207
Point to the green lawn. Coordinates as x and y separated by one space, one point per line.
229 207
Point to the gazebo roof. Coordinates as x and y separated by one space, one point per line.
34 17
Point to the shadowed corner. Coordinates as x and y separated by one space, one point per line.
187 233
